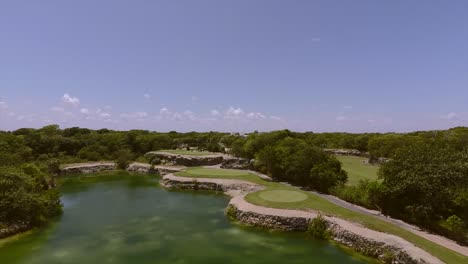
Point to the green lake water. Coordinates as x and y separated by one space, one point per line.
129 219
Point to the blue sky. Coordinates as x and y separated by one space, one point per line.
235 65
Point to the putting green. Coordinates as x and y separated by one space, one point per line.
215 172
285 196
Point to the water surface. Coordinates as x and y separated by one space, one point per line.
129 219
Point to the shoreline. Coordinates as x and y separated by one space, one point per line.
362 240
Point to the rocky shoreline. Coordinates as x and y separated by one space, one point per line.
13 230
92 167
385 247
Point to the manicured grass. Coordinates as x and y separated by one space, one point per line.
357 169
318 203
282 196
186 152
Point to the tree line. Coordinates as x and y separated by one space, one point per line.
424 182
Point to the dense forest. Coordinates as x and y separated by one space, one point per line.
424 181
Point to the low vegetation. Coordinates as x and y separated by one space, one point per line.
27 196
318 228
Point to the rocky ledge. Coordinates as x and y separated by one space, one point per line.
13 230
147 168
388 248
230 162
187 160
227 186
347 152
90 167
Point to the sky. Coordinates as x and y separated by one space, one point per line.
234 65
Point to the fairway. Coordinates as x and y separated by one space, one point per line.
186 152
284 196
358 169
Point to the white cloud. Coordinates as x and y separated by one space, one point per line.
452 116
69 100
348 107
138 116
102 114
233 113
275 118
147 96
177 117
84 111
215 112
341 118
164 111
194 98
255 116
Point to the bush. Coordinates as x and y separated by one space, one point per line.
327 174
26 196
123 158
366 193
318 228
231 212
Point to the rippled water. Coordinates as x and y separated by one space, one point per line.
129 219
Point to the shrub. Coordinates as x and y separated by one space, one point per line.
327 174
318 228
231 212
123 158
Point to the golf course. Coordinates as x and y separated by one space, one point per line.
278 195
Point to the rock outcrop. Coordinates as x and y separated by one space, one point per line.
13 230
147 168
91 167
236 163
187 160
346 152
377 160
228 186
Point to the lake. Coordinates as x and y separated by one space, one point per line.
123 218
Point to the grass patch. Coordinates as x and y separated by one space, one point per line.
318 203
357 169
186 152
283 196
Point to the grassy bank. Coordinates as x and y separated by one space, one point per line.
318 203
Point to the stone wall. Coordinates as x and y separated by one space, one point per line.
347 152
187 160
13 230
385 247
147 168
228 186
236 163
86 168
